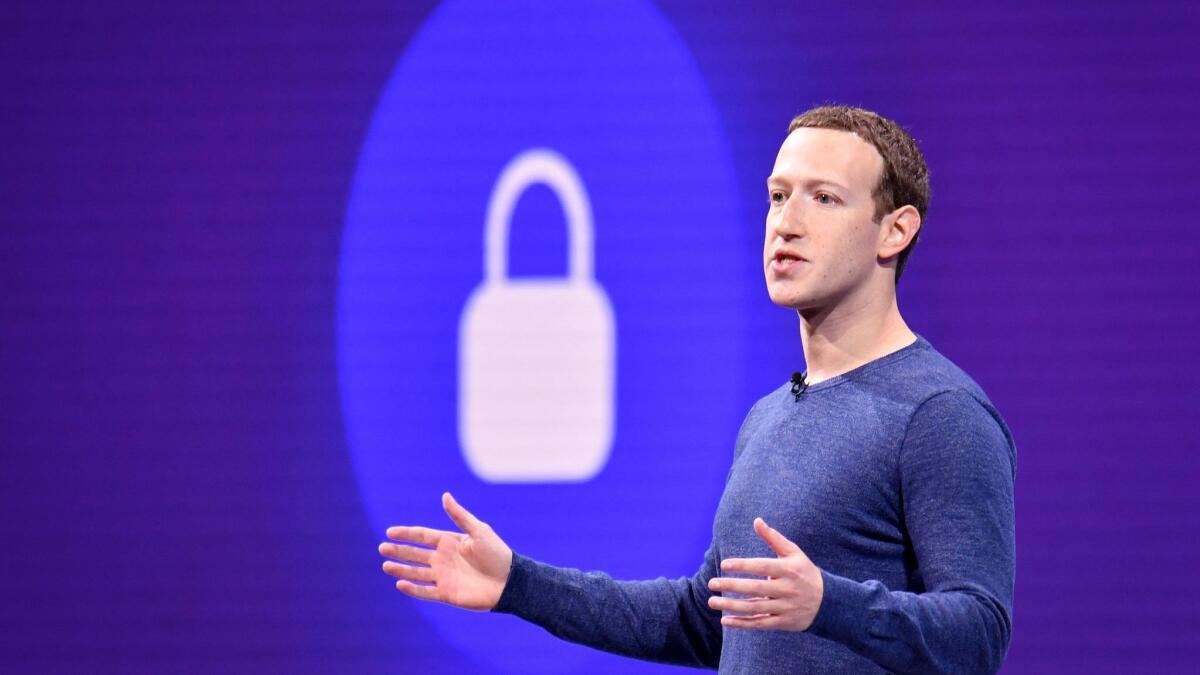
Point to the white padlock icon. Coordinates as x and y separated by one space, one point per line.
537 356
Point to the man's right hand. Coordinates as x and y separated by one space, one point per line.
467 569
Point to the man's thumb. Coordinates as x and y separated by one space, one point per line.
781 545
463 518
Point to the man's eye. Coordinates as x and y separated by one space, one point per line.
776 197
825 198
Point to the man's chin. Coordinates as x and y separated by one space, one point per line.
790 301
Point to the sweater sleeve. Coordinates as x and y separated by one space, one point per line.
659 620
957 469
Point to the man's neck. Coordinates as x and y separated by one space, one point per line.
855 332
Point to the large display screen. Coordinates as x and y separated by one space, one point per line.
276 276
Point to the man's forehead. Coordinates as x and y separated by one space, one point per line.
842 156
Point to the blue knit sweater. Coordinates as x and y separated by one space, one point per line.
895 478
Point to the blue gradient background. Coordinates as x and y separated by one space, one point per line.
178 494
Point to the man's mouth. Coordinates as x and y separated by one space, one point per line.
784 261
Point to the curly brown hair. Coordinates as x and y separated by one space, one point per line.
905 179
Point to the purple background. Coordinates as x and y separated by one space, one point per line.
177 493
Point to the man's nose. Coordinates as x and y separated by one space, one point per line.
790 223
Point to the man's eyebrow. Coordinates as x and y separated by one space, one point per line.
810 183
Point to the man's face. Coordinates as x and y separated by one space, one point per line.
821 242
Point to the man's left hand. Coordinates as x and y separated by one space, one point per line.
786 599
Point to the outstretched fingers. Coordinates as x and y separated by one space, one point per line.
404 553
759 622
763 567
747 587
418 591
419 535
411 572
746 607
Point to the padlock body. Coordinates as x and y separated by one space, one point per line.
537 380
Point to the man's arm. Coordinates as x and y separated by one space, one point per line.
660 620
957 471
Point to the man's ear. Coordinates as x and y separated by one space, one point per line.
900 228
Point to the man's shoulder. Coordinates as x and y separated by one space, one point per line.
942 383
919 375
770 400
923 374
945 373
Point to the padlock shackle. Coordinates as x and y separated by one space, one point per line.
539 165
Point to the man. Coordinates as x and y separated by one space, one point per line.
867 520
